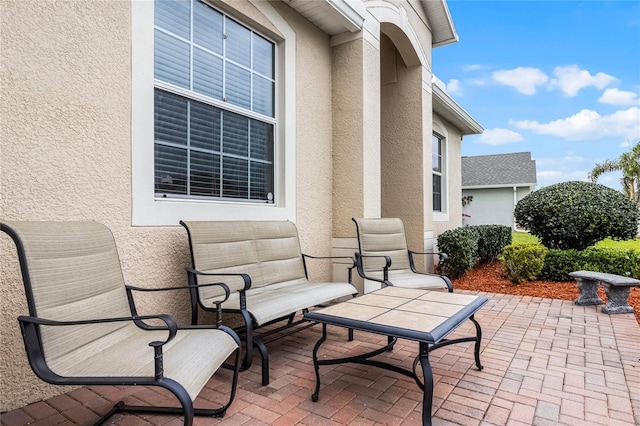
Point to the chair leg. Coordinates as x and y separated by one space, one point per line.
187 410
248 339
264 356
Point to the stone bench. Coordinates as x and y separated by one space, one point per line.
616 288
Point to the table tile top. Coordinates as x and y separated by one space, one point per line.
405 312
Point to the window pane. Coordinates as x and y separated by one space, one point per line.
437 193
261 144
436 146
235 134
173 15
170 167
171 60
207 73
207 27
262 95
238 86
261 180
262 56
201 149
205 126
238 43
205 174
235 178
170 118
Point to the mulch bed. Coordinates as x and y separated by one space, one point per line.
490 278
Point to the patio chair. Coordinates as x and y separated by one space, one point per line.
383 256
83 327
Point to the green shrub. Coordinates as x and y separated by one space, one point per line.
558 263
576 215
523 262
461 244
491 240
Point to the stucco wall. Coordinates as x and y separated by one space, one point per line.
66 152
66 140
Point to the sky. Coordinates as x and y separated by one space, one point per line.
559 79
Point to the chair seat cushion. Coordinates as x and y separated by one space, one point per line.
409 279
190 358
279 300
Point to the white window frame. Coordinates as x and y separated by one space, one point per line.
440 131
149 210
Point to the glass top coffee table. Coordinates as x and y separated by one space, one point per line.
424 316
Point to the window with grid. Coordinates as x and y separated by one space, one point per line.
214 117
437 142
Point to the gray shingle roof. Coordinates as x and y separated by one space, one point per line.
516 169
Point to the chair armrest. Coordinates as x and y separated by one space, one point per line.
353 260
172 326
350 268
385 268
245 277
442 259
184 287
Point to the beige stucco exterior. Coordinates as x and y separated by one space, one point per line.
356 146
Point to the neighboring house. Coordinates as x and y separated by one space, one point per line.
138 114
496 183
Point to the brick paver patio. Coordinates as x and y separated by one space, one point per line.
546 362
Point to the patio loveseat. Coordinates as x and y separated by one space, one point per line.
266 272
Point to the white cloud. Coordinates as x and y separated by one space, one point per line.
588 124
475 82
571 79
454 87
550 177
472 67
500 137
619 97
523 79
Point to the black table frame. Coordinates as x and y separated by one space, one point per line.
427 343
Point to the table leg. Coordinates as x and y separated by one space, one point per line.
316 367
476 351
427 399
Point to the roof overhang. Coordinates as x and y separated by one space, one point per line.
332 16
447 108
497 186
442 29
340 16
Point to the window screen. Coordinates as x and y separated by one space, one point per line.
214 115
437 172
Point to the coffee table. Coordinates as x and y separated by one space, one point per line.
424 316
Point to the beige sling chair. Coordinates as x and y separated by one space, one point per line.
384 257
83 328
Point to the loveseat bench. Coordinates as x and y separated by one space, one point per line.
265 270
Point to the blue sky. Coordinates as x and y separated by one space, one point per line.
560 79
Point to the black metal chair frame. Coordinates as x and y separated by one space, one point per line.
30 327
359 258
247 332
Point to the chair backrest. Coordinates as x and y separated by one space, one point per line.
71 271
382 237
269 251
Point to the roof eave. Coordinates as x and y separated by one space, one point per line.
332 16
445 106
502 185
442 28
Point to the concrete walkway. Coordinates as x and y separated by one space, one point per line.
546 362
